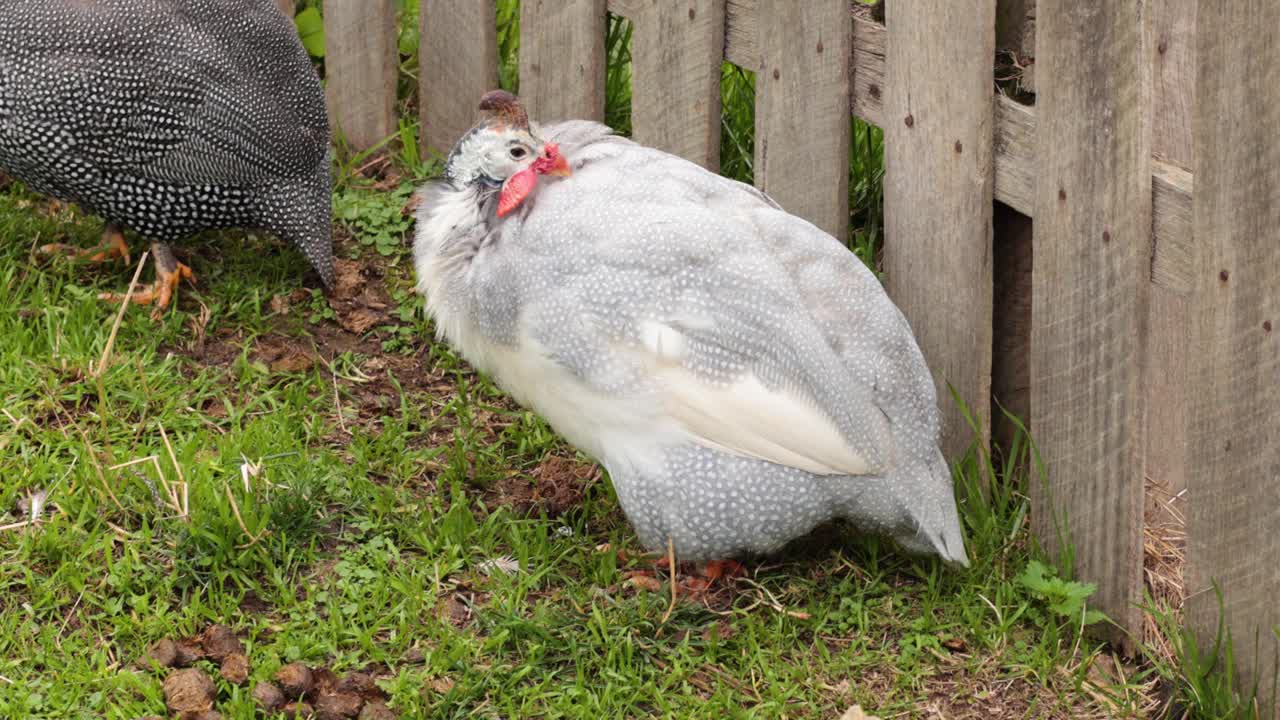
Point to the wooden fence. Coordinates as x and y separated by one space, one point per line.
1131 322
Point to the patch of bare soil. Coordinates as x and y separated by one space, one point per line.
555 487
365 396
360 305
296 690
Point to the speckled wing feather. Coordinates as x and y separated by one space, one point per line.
137 90
759 333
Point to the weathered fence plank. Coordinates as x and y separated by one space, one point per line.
676 54
458 64
1234 477
1090 293
802 109
938 197
286 7
1016 168
562 59
1171 228
1015 153
1173 100
741 40
869 40
361 65
1173 80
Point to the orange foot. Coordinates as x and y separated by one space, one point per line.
169 272
723 570
691 580
111 247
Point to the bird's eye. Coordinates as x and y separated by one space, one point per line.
518 152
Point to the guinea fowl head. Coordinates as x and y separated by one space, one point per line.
504 151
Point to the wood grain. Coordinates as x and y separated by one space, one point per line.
361 62
458 64
1015 157
1015 134
1015 154
1174 252
869 50
562 60
741 39
1173 101
676 53
802 109
1173 54
1234 471
1092 238
938 198
286 7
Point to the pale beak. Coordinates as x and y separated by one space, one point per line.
552 162
560 167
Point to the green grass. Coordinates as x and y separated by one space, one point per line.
360 528
347 510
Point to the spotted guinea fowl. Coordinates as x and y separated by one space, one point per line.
739 373
167 117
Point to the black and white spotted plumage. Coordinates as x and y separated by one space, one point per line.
168 116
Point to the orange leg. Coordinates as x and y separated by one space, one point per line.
712 570
723 570
112 246
698 579
169 272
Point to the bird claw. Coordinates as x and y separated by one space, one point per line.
160 294
112 247
696 580
723 570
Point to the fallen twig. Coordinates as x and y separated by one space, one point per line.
115 326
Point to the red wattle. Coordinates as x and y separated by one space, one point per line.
515 190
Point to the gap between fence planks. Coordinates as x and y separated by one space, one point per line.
460 35
1092 238
1234 471
675 100
802 109
361 63
938 148
1166 378
1015 132
562 59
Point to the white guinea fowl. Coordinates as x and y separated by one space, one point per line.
739 373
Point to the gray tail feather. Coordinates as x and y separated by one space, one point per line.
937 519
949 533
